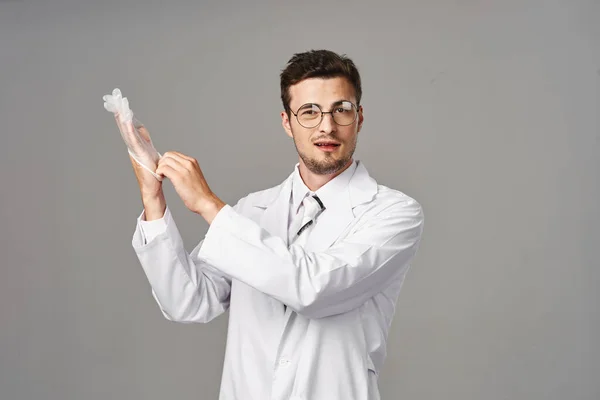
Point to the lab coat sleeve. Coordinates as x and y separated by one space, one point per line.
185 288
151 229
377 253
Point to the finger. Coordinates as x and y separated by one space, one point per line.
184 161
173 162
141 129
128 130
168 171
144 133
191 159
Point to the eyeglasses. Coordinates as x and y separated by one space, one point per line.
310 115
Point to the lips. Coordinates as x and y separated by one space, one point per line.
328 147
327 144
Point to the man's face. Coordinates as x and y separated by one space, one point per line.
327 93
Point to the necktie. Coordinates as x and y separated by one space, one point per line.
312 207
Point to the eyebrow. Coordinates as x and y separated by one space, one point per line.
332 104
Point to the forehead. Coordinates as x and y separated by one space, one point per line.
322 91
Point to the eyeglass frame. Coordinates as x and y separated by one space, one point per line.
326 112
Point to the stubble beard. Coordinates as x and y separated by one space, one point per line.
329 165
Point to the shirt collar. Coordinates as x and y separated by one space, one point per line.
326 192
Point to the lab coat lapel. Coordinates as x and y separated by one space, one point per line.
275 217
339 212
331 223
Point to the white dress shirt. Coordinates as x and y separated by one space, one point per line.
340 287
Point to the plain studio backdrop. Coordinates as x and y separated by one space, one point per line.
486 112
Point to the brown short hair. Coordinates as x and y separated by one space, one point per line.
318 64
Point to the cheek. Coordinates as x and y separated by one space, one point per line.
349 136
301 137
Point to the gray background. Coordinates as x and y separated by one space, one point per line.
484 111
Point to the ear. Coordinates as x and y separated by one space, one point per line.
360 118
285 122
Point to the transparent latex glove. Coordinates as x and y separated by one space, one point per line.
133 132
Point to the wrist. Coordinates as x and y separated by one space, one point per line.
152 195
210 207
154 206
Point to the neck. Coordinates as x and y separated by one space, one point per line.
314 181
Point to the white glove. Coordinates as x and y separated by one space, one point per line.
133 132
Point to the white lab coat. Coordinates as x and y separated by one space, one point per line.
340 290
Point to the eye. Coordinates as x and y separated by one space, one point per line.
309 111
343 107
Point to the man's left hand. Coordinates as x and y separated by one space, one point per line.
189 183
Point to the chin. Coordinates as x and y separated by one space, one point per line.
328 166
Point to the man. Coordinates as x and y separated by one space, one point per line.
310 270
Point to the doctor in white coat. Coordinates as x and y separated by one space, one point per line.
311 295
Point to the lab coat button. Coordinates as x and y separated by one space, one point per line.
283 362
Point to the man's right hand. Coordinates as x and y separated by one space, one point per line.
151 191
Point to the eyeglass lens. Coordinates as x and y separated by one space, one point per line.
310 115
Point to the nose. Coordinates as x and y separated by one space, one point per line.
327 124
